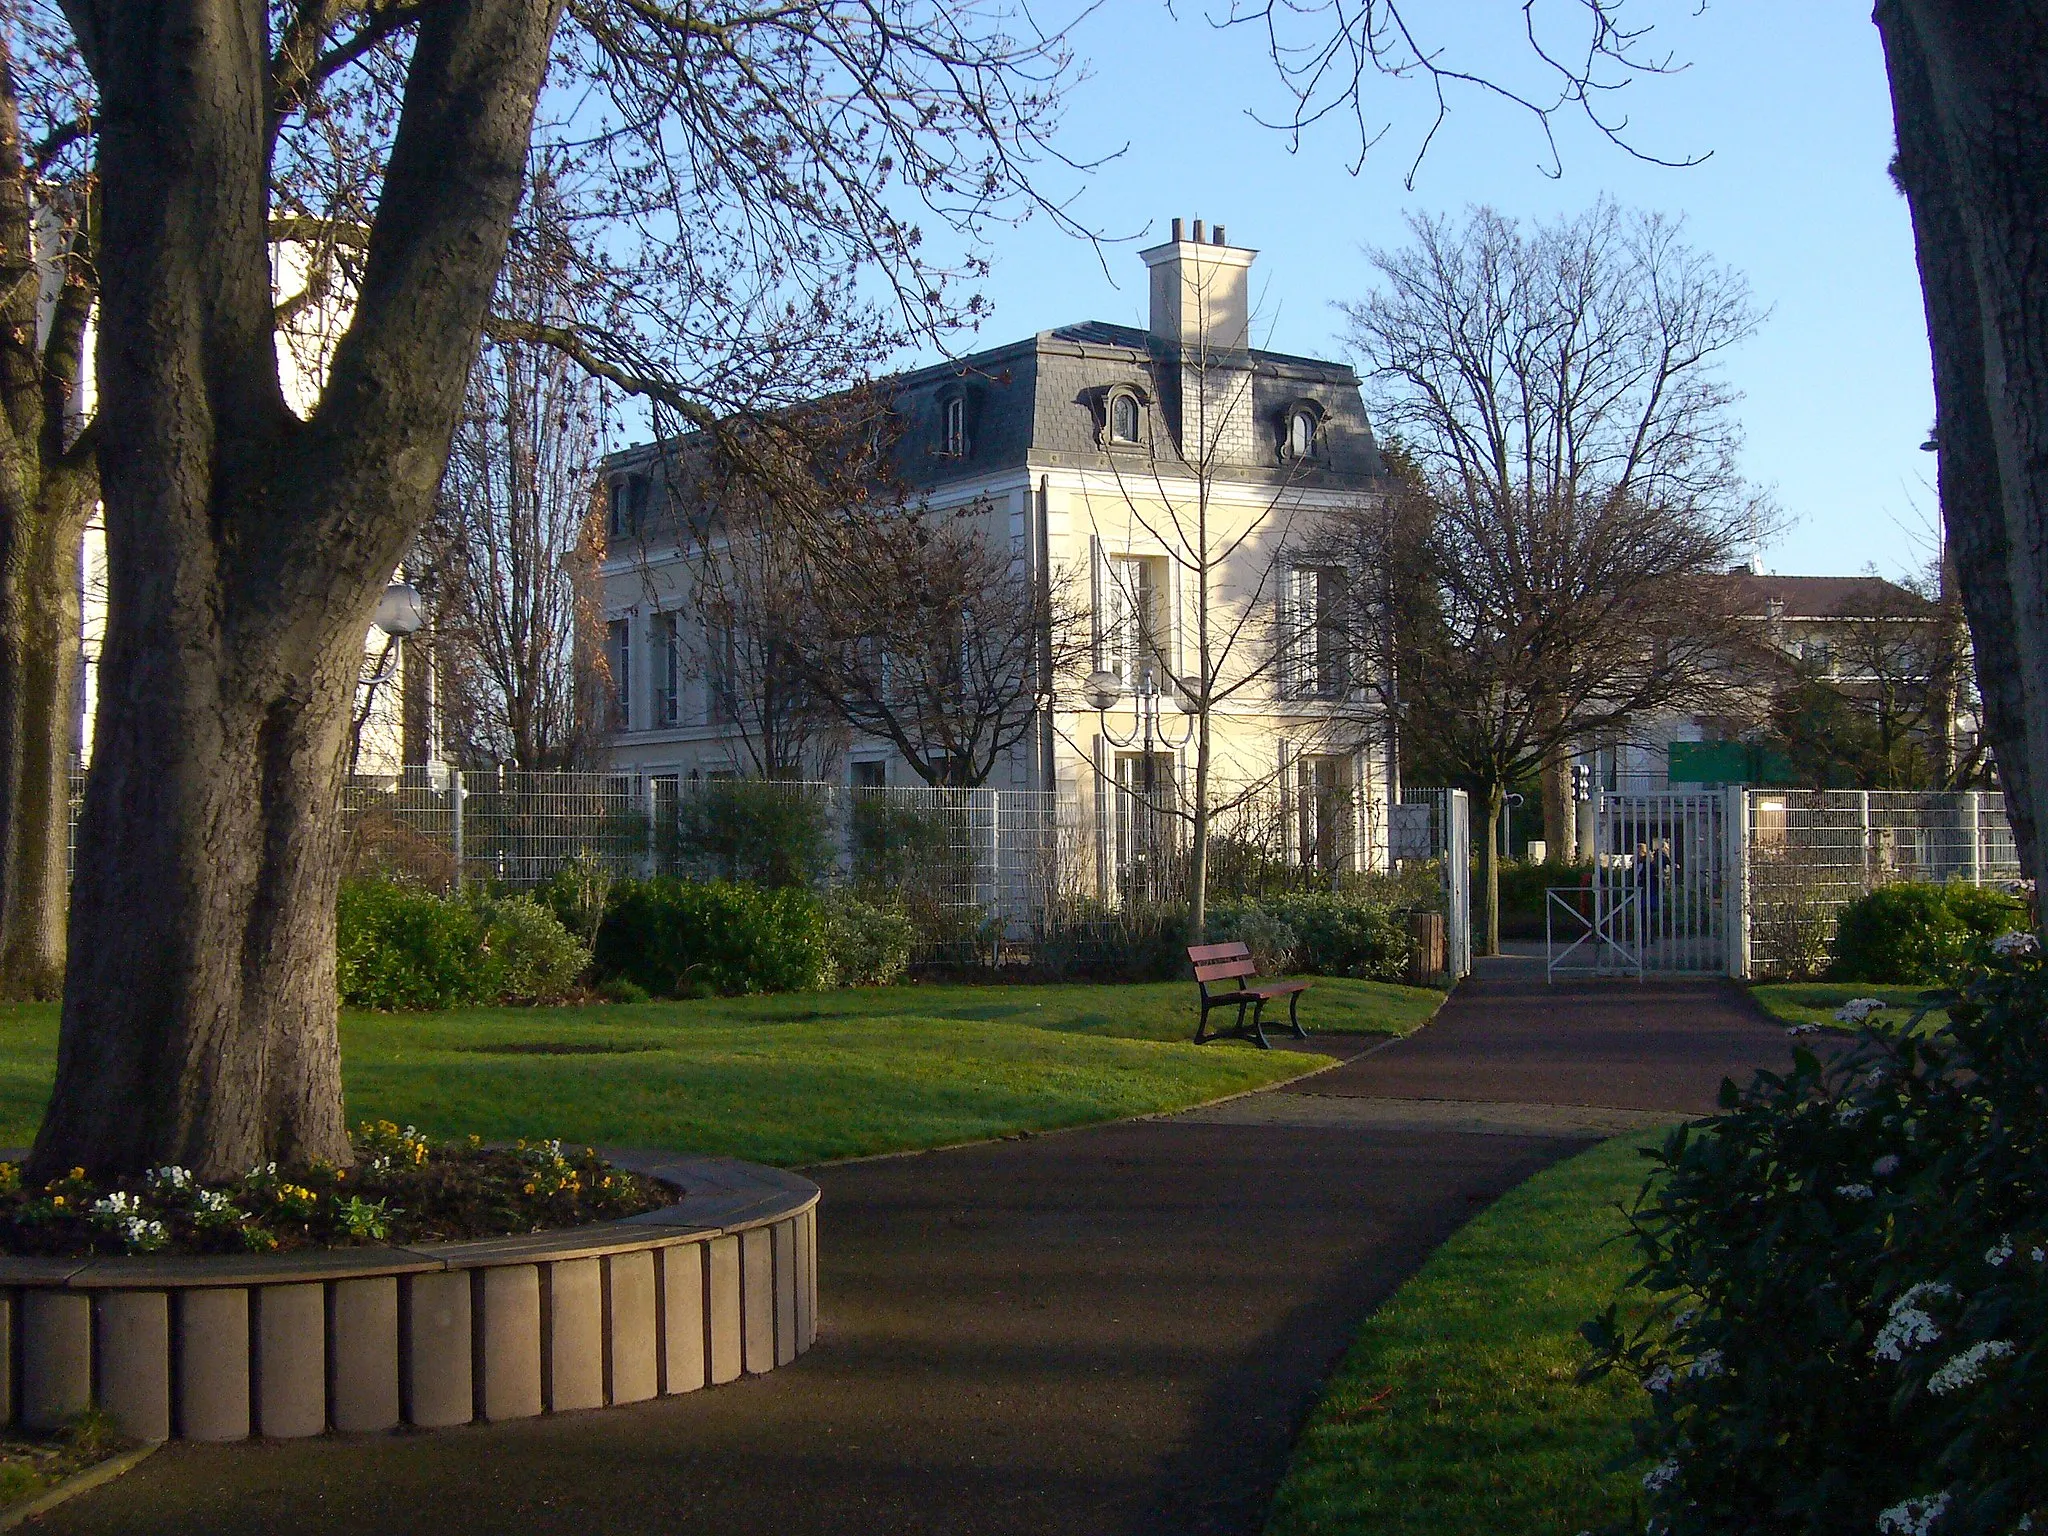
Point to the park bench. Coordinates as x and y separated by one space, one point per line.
1232 963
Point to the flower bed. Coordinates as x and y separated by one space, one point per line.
402 1189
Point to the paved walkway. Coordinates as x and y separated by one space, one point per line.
1111 1331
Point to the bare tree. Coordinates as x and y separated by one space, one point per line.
923 629
745 178
1574 487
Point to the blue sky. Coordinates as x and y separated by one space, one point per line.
1787 100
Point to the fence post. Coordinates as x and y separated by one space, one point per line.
456 795
1973 806
647 810
1863 833
1735 884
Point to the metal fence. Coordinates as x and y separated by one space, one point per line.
1811 852
1436 825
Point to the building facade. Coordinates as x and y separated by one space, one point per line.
1164 482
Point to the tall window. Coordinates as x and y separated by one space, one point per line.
1316 638
1123 418
1135 618
619 654
1301 433
956 427
627 511
1322 808
721 675
668 670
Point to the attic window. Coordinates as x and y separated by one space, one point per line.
955 427
1302 433
1123 417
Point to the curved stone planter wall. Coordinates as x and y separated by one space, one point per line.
723 1283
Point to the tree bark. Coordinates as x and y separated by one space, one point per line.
1489 870
1560 821
1970 103
246 553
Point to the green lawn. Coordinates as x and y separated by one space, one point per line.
1457 1409
1815 1002
789 1079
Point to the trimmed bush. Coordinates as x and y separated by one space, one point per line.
401 947
1339 937
678 939
1271 941
754 831
1850 1265
1913 933
868 945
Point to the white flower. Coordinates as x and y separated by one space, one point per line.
2009 944
1913 1517
1662 1475
1857 1009
1803 1029
142 1235
1848 1114
170 1176
1886 1166
1855 1191
1998 1252
1658 1380
1967 1368
1909 1325
115 1207
1707 1366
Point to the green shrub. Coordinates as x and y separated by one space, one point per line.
576 893
1139 941
868 945
1339 937
1913 933
753 831
678 938
1271 941
1850 1265
401 947
537 959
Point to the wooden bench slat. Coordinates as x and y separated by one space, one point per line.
1223 970
1204 952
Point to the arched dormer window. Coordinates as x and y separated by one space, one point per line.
955 423
1301 432
1123 417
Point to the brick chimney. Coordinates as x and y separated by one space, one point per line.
1199 288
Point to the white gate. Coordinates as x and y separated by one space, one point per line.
1656 899
1437 824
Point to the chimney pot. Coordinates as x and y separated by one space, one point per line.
1177 231
1219 236
1198 231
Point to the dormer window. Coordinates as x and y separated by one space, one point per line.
1123 417
1303 437
954 419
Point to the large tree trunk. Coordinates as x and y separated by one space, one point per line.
39 639
1970 101
1495 799
246 552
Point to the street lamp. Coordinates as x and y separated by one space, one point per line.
400 613
1105 688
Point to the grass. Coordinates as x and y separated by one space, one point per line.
34 1464
789 1079
1815 1002
1457 1409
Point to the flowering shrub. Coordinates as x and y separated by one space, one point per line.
1851 1266
402 1188
1913 933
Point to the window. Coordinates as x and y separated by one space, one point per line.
668 670
1136 635
1147 830
1316 644
1301 433
721 675
1123 417
619 655
1322 804
870 775
627 510
955 411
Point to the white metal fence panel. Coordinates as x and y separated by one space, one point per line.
1656 898
1811 852
1437 824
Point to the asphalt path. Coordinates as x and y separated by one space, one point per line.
1117 1330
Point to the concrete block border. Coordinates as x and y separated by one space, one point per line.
221 1347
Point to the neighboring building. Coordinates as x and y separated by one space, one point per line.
1860 635
1064 439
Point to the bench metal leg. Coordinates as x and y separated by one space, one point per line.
1257 1033
1294 1015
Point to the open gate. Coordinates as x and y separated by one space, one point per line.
1656 899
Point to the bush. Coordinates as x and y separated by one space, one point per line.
1913 933
536 958
400 947
1139 941
677 939
1271 941
576 893
754 831
1339 937
868 945
1851 1267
